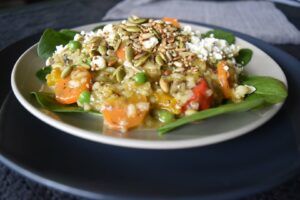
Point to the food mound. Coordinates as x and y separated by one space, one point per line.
148 72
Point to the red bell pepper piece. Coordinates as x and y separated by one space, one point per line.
200 96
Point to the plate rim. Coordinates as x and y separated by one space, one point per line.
55 184
6 160
138 143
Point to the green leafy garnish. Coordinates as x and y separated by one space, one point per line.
47 100
42 73
244 56
220 34
268 91
50 39
227 108
69 33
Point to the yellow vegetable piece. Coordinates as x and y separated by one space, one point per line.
53 77
167 102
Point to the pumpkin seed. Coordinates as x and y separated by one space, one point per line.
137 20
110 52
162 56
139 55
123 26
178 64
156 34
111 60
66 71
169 56
147 35
132 29
117 44
129 53
102 49
185 54
141 60
164 85
136 45
181 44
119 73
159 60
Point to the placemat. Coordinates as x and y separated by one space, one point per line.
259 19
19 23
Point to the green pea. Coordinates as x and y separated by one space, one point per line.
140 78
165 116
84 97
74 45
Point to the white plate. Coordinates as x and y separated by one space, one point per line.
88 126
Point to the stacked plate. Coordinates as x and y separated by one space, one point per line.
206 160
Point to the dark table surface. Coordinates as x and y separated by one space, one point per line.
19 23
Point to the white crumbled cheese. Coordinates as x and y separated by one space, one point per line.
123 123
77 37
190 112
211 49
190 82
108 28
127 64
131 110
73 84
49 61
106 107
86 106
178 64
242 90
82 33
209 92
143 106
151 42
195 39
226 68
158 21
99 61
89 36
99 32
194 105
217 56
187 30
59 49
110 69
130 70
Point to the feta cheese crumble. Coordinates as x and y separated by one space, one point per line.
211 49
242 90
150 43
98 62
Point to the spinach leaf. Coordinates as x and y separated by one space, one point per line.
69 33
42 73
220 34
245 105
244 57
47 101
270 89
98 27
50 39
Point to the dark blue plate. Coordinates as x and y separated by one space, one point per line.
254 162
